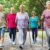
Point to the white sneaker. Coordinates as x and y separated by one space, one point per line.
0 45
13 43
10 40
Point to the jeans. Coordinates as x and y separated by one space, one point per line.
12 33
34 33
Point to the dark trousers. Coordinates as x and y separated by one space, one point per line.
34 33
12 33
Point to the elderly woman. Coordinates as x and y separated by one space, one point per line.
22 24
46 16
11 16
34 19
2 25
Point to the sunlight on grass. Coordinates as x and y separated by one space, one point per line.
40 34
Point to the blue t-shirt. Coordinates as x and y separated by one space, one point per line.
34 22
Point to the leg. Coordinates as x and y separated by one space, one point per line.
2 34
32 33
48 36
14 34
49 42
35 32
20 36
10 33
0 39
24 35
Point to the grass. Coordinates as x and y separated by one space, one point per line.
42 33
39 34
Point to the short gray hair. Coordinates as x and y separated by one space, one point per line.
48 2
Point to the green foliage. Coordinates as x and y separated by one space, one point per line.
30 5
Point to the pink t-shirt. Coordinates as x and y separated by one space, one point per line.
46 14
11 20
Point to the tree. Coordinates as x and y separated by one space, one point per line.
36 5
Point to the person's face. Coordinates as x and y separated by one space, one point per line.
48 6
33 15
21 9
12 9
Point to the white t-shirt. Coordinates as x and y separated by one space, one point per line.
22 20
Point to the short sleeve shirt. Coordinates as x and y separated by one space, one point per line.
46 14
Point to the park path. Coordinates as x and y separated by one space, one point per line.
37 46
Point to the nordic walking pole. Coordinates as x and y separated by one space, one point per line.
42 32
30 36
30 39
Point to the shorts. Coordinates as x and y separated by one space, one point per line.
2 31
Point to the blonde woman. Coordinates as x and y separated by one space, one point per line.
11 16
22 24
46 16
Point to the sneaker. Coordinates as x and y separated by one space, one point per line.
0 45
10 40
48 49
21 46
13 43
3 45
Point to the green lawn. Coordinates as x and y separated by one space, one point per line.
40 34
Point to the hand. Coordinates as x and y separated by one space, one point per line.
42 17
29 29
7 26
0 21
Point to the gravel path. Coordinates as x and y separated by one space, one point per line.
36 46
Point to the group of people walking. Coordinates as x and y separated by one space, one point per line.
22 21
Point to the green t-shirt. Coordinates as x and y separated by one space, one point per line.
34 22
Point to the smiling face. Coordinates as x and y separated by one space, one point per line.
21 8
48 4
33 13
12 9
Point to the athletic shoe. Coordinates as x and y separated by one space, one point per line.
13 43
48 49
10 40
0 45
21 46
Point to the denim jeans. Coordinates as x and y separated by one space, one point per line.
34 33
2 31
12 33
